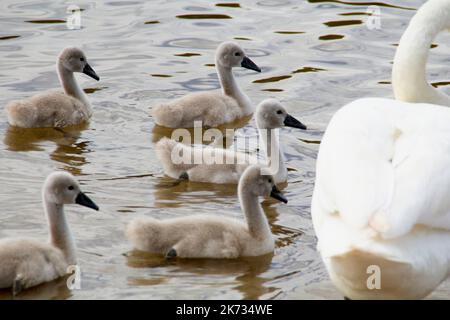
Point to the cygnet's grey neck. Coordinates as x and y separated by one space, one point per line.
71 87
274 153
60 235
254 215
231 88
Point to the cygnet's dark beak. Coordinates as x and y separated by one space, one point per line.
249 64
290 121
84 200
90 72
276 194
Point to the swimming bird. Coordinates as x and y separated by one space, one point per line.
27 262
55 108
381 198
213 236
380 205
409 79
225 166
216 107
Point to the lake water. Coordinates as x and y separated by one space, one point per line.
316 56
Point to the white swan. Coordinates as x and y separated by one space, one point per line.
381 197
26 262
380 205
213 108
408 73
55 108
270 115
211 236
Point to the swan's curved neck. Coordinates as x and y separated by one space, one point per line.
409 79
274 154
231 88
258 225
60 235
71 87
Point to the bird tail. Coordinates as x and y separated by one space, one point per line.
175 157
20 114
167 116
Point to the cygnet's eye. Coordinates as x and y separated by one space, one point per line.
270 180
71 188
237 54
280 112
81 59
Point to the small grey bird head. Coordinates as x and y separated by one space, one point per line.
254 182
73 59
270 114
229 54
62 188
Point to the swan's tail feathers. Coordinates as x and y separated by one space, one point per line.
145 234
167 115
20 114
175 157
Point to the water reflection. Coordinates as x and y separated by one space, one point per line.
229 5
49 21
187 54
9 37
365 4
160 75
56 289
203 16
247 272
289 32
342 23
308 69
69 151
272 79
171 193
93 89
273 90
327 37
284 235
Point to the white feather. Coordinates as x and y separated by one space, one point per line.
382 189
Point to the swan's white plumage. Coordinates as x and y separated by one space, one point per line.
409 79
381 192
382 189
